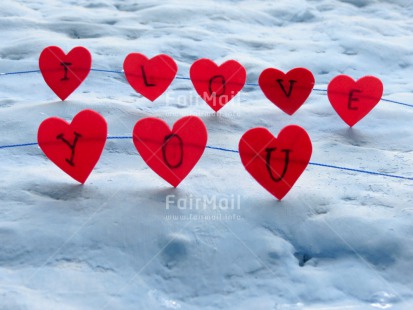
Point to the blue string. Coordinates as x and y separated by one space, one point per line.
321 90
17 145
221 149
187 78
252 84
235 151
362 171
397 102
119 137
183 78
20 72
330 166
107 71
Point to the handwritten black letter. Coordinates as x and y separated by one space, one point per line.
167 140
268 163
71 146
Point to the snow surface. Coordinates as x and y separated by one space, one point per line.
338 240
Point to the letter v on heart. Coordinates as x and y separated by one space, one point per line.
288 91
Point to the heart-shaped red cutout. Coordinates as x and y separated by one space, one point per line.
288 91
64 73
276 163
149 77
170 153
76 147
353 100
217 85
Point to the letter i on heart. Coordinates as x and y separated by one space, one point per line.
64 73
76 147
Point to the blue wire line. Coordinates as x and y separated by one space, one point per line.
20 72
182 78
320 90
397 102
17 145
330 166
107 71
235 151
362 171
221 149
119 137
252 84
187 78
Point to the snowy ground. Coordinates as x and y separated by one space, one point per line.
338 240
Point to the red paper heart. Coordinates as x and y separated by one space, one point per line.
288 91
217 84
76 147
149 77
64 73
353 100
170 153
276 163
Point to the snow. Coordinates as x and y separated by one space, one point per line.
338 240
